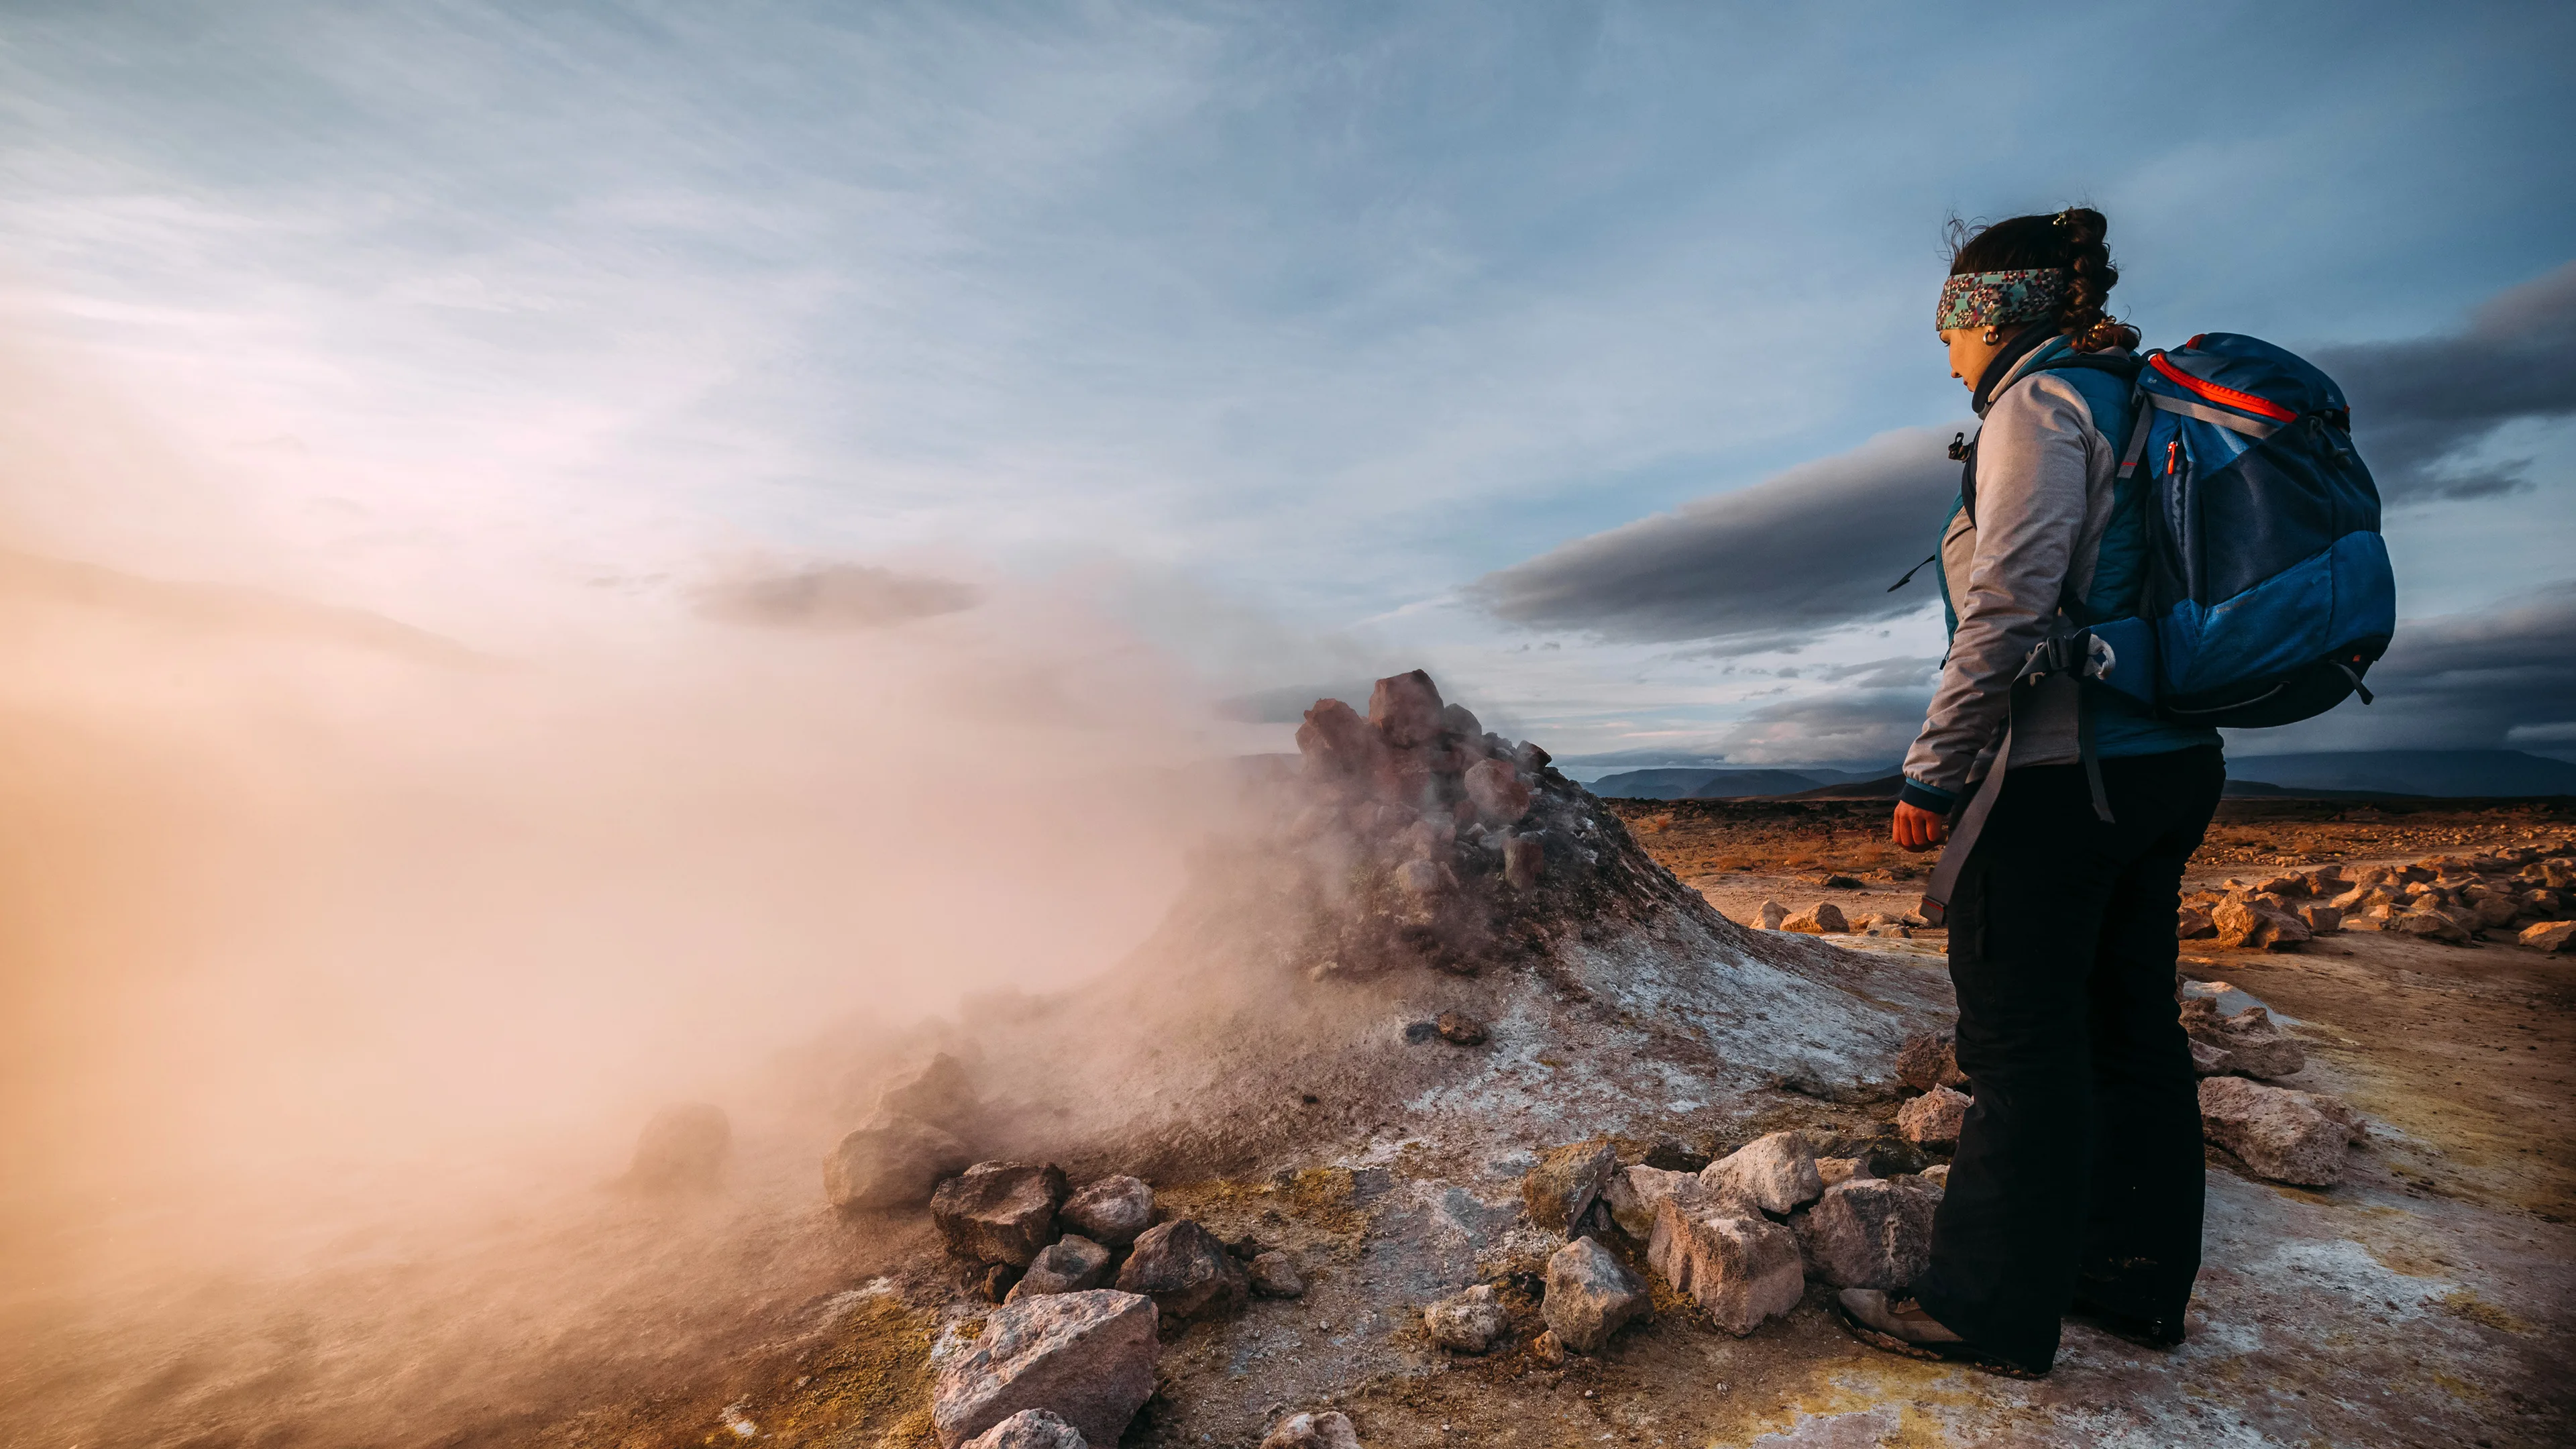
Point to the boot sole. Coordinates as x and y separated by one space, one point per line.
1966 1353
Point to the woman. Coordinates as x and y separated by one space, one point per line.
2077 1183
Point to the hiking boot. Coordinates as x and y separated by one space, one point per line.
2155 1333
1894 1322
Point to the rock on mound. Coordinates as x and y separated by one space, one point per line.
1416 865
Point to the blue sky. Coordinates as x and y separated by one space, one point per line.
1283 324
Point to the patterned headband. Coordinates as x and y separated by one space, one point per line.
1993 299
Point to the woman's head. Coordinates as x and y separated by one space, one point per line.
2031 269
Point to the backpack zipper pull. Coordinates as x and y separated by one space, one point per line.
2173 457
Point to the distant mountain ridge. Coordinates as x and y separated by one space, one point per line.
2410 772
2324 774
1702 784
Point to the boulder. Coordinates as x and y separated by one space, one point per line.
1524 861
1934 1118
1937 1176
1635 1194
1591 1295
1111 1211
1089 1358
1030 1429
1312 1431
682 1147
2321 920
1842 1169
2432 924
2247 1044
1823 919
1070 1264
2282 885
2192 923
1185 1270
1740 1270
1777 1173
1406 709
1338 744
1469 1322
999 1212
2493 909
1274 1275
892 1162
1566 1182
1930 1059
939 1093
1500 795
1871 1232
2247 924
2550 936
2281 1134
1461 721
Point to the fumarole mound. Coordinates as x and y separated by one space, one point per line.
1412 869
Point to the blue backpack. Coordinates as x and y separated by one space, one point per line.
2265 592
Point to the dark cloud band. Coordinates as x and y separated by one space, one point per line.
2421 408
1808 550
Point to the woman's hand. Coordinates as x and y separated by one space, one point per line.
1918 828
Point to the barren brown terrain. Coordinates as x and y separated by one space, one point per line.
2422 1300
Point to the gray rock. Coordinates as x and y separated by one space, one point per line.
1087 1357
1070 1264
2247 1044
1524 861
1930 1059
1111 1211
1842 1169
1591 1295
2432 924
682 1147
2281 1134
1773 914
1822 919
939 1093
2550 936
1185 1270
1777 1172
999 1212
2322 920
1934 1118
1635 1194
1274 1275
1030 1429
1406 709
2246 923
1312 1431
1468 1322
1871 1232
1566 1182
1741 1270
892 1162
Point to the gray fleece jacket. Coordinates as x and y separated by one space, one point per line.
2044 503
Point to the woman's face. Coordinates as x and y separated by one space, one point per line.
1970 352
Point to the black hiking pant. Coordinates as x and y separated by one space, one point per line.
2079 1166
